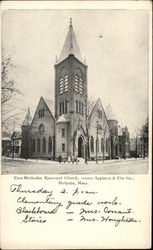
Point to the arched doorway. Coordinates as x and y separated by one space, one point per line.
80 147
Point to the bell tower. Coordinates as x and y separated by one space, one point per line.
71 90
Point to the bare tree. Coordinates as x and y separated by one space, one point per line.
8 84
8 90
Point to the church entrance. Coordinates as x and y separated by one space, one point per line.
80 147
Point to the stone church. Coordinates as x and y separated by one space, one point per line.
66 128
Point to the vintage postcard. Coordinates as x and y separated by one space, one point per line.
76 122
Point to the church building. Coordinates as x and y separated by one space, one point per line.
66 128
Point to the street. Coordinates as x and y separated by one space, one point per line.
21 166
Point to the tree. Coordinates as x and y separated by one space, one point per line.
8 84
8 90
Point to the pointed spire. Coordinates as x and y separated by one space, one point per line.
56 60
70 45
70 21
27 119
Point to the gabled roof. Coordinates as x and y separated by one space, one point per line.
16 135
70 46
109 113
98 103
49 105
62 119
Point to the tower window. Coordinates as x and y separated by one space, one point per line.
66 83
81 86
60 108
78 84
76 106
79 107
65 106
63 132
61 86
82 109
63 147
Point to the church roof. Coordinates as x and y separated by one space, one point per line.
62 119
70 46
109 113
28 119
50 105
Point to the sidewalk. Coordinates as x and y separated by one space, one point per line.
67 163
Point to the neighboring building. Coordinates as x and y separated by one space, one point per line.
113 127
16 140
99 132
124 143
66 129
136 147
6 146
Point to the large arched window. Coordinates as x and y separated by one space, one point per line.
66 83
33 145
44 145
92 144
106 145
102 144
50 145
38 145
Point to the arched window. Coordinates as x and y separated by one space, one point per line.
66 83
82 109
61 86
50 145
33 145
63 109
43 111
102 144
92 144
65 106
44 145
76 106
76 83
60 108
106 145
38 145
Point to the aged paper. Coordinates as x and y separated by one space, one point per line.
91 187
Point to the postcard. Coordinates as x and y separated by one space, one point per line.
76 122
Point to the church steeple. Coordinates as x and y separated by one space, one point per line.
70 46
28 118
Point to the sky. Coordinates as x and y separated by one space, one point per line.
115 44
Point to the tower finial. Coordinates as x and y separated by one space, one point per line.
70 21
